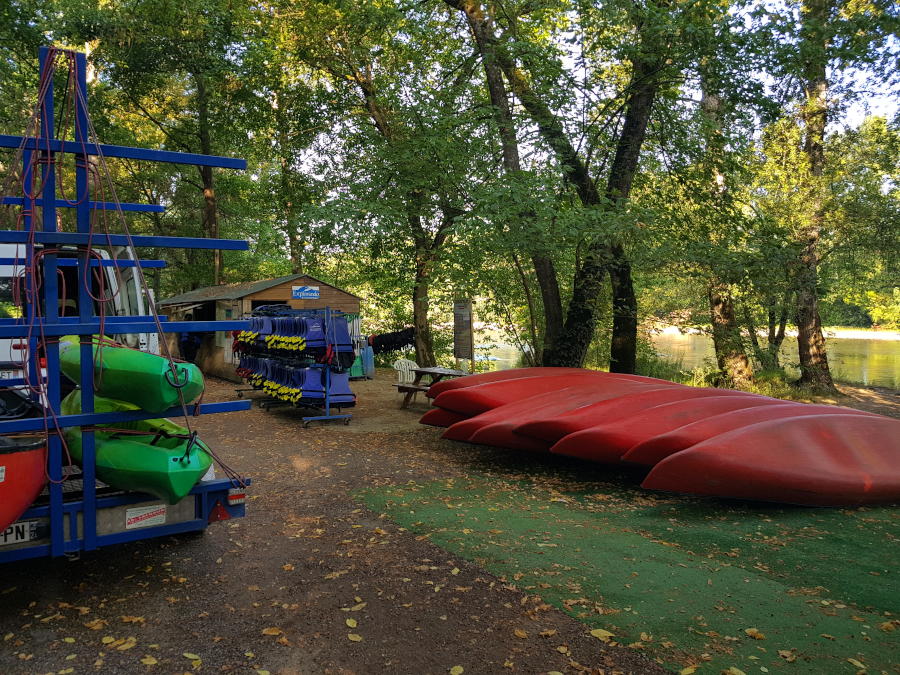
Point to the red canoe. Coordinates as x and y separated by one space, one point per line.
659 447
479 398
495 426
497 376
820 460
23 475
438 417
608 442
552 428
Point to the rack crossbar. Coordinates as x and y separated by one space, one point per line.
141 241
89 419
121 151
97 206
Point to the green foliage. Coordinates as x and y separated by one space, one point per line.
375 161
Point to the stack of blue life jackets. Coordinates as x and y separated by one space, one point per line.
291 355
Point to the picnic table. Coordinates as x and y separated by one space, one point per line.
435 375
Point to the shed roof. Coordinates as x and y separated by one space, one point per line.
237 291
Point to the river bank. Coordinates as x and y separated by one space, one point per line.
837 332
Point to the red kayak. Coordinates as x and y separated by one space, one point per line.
552 428
438 417
608 442
497 426
479 398
819 460
659 447
497 376
23 461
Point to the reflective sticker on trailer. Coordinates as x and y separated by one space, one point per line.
2 473
145 516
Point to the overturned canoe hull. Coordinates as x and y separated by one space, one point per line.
819 460
700 441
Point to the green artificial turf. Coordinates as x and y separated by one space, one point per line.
689 582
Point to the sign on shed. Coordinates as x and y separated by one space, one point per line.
305 292
463 341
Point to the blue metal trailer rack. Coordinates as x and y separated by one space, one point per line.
80 513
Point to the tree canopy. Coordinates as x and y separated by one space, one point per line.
587 169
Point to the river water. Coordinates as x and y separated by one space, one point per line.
869 362
853 360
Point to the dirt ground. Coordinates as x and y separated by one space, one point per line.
880 400
309 582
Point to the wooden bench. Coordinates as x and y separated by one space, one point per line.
410 390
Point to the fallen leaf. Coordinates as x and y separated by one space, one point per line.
351 623
854 662
734 671
519 633
190 656
353 637
96 624
127 644
755 634
106 639
132 619
601 634
272 631
69 640
288 567
149 661
787 655
887 626
689 670
457 670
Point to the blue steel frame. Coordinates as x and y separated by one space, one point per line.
208 495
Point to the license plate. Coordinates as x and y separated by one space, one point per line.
16 533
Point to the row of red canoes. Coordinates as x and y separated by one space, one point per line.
701 441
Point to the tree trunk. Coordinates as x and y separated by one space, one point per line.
548 283
730 356
777 327
761 355
544 268
534 356
600 257
814 370
210 218
424 341
570 348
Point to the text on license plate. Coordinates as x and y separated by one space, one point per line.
19 532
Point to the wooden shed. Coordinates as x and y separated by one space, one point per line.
232 301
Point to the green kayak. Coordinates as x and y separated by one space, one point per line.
137 377
156 461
